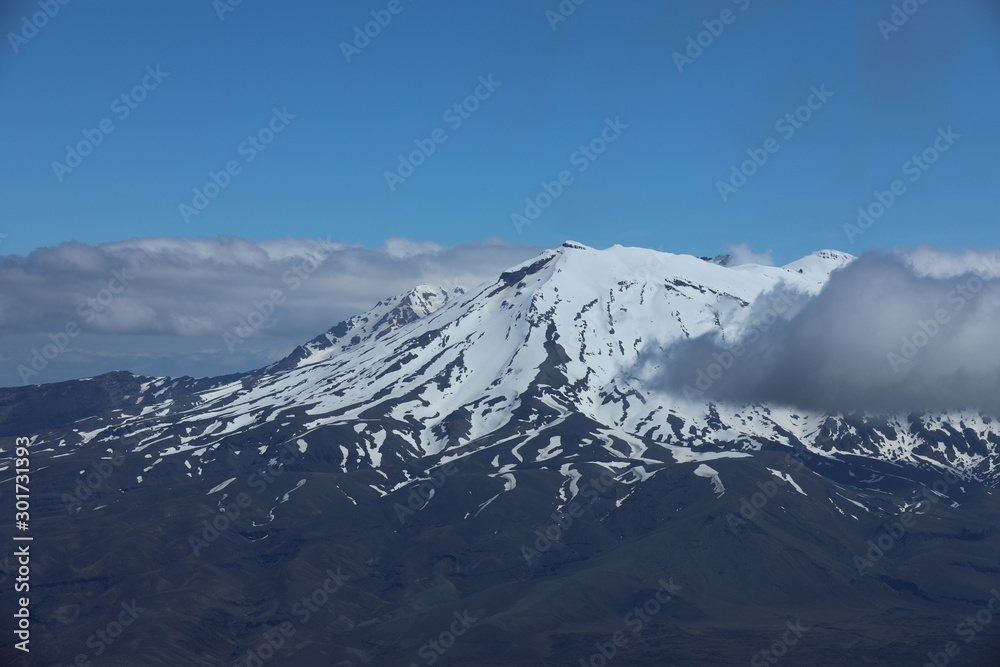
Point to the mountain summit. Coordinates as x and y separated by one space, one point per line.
505 454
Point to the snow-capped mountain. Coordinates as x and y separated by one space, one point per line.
501 407
563 335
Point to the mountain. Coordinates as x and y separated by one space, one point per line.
495 477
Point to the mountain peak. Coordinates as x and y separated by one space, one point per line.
721 260
383 319
820 264
835 255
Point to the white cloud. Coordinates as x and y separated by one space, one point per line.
174 289
742 254
931 262
195 287
399 247
913 330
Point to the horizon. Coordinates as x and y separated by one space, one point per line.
285 292
694 126
417 142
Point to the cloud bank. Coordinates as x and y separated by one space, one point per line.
202 287
909 331
149 304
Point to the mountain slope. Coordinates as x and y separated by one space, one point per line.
503 453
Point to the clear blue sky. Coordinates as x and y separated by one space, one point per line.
655 186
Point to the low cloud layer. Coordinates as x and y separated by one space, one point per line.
185 294
914 330
202 287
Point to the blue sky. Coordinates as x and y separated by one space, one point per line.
655 186
218 142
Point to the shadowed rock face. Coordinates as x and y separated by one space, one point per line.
418 498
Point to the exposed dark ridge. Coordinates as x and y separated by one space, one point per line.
36 408
511 278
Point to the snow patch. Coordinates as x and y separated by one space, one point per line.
712 474
220 487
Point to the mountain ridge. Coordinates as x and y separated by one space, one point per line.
501 451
